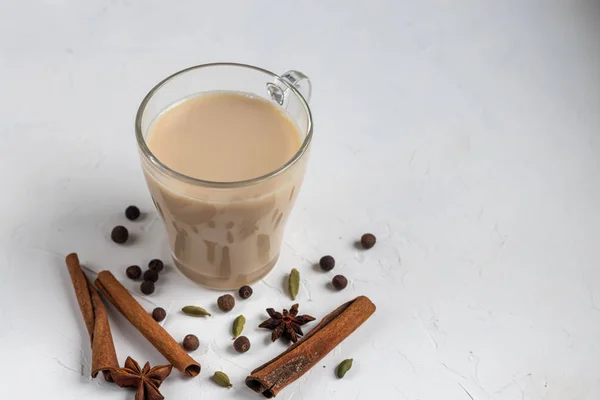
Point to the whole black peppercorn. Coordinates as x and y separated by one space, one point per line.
132 213
119 234
339 282
147 287
226 302
133 272
159 314
327 263
241 344
150 275
368 240
156 265
245 292
191 342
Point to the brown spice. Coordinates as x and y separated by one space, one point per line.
190 342
287 323
339 282
146 380
112 289
327 263
133 272
151 275
226 303
270 378
159 314
147 287
368 240
245 292
119 234
241 344
132 213
156 265
104 356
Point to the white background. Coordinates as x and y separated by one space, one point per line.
464 134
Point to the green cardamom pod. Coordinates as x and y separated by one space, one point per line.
294 283
344 367
238 326
195 311
221 379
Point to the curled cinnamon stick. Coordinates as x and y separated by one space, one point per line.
272 377
112 289
104 356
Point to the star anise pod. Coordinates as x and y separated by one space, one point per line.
146 380
287 323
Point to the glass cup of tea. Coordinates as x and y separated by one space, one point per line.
223 149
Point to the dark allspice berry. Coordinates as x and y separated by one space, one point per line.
368 240
132 213
241 344
191 342
119 234
151 275
245 292
226 302
339 282
133 272
147 287
159 314
156 265
327 263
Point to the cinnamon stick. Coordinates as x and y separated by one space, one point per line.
104 356
112 289
270 378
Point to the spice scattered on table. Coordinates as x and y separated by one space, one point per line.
238 326
132 213
124 302
147 287
150 275
159 314
339 282
328 333
147 380
95 316
273 376
241 344
327 263
294 283
245 292
156 265
195 311
226 302
368 240
190 342
287 323
222 379
119 234
133 272
343 368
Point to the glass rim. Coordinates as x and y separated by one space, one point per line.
141 141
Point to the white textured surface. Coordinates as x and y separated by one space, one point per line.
465 134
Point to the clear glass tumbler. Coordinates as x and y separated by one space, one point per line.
226 234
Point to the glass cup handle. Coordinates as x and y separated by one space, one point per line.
300 82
